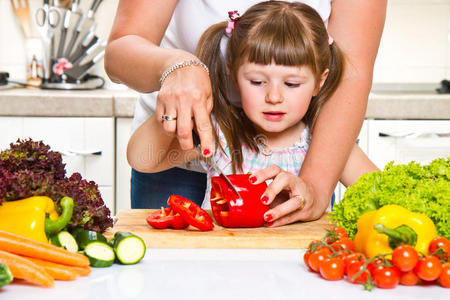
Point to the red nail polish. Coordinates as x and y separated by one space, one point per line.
269 224
268 218
252 179
265 199
206 152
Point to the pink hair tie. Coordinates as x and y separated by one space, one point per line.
234 16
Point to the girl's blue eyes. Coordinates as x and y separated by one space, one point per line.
288 84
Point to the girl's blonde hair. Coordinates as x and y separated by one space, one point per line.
287 33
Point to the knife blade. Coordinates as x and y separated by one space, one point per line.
213 165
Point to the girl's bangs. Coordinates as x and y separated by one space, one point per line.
280 40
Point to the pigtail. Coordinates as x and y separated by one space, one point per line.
336 69
230 118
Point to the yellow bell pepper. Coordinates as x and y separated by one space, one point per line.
381 231
27 217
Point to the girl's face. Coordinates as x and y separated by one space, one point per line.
276 97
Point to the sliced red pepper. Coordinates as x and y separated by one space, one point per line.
166 218
193 214
230 211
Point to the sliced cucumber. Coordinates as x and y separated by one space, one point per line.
65 240
100 254
129 248
85 237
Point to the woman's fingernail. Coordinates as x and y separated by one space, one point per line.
268 224
252 179
268 218
206 152
265 199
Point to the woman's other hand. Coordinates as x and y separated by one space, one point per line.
186 96
291 199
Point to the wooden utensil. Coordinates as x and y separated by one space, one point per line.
22 10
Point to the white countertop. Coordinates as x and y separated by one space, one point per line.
214 274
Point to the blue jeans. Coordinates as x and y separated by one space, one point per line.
151 190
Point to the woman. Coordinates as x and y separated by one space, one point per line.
134 57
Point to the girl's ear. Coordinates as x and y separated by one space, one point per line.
323 77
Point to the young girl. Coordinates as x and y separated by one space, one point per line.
279 68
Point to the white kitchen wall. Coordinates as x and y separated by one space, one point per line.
415 46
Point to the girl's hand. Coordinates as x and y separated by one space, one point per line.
186 96
291 198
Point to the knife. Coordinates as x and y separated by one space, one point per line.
63 34
87 43
213 165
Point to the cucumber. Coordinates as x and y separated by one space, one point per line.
65 240
85 237
129 248
100 254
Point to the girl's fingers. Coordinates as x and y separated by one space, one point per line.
204 129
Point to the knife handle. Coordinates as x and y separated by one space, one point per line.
195 139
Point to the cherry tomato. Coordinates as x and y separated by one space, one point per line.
439 242
344 243
306 257
428 268
351 257
444 278
314 244
409 278
316 257
332 268
405 257
335 234
353 268
386 277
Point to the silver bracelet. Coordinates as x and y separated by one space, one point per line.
182 65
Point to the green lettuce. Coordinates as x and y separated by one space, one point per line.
423 189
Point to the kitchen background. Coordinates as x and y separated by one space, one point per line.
406 119
415 47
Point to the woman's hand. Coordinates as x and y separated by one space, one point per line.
291 198
186 96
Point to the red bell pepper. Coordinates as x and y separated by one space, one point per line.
166 218
193 214
229 211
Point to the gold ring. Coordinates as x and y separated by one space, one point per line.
302 199
168 118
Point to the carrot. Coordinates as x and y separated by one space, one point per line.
20 245
25 269
57 271
83 271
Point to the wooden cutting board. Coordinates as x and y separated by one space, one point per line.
293 236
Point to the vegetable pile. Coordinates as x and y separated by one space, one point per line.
423 189
29 168
334 257
39 263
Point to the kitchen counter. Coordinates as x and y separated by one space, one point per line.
214 274
383 103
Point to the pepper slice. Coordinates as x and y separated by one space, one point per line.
229 210
166 218
193 214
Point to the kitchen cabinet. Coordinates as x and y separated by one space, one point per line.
408 140
86 145
123 169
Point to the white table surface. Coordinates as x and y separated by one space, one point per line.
214 274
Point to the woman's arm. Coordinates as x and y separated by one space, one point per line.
356 27
133 57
